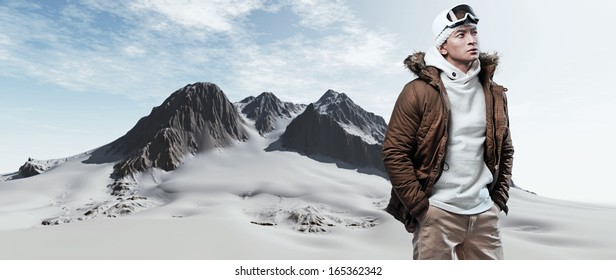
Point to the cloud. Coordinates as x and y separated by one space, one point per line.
300 64
214 15
147 49
133 50
345 55
86 57
5 43
319 14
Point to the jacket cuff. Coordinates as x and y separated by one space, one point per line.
502 207
420 206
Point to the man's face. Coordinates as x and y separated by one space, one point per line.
462 47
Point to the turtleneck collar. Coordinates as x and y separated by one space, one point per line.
434 58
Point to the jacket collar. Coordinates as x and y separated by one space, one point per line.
417 65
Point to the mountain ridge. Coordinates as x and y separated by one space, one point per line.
199 117
195 118
335 126
266 109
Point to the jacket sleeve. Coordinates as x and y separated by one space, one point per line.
501 192
399 146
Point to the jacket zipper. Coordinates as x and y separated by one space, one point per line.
445 100
494 139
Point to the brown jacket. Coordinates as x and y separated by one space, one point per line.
416 141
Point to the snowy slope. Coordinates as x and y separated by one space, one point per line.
245 203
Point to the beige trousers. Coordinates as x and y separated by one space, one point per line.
443 235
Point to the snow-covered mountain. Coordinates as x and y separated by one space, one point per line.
353 118
33 167
267 111
335 126
199 122
193 119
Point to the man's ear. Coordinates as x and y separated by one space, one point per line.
442 49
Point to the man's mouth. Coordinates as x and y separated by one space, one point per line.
473 50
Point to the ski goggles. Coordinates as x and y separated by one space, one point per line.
460 15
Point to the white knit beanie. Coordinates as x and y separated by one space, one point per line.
439 27
444 35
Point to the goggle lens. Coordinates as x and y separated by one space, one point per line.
461 14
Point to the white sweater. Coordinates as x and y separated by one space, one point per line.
462 187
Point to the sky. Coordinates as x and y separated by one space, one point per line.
76 75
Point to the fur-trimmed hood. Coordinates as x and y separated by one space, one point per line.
417 65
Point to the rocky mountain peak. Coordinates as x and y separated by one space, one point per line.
194 118
352 117
335 126
331 96
266 110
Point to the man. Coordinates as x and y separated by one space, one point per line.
447 150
